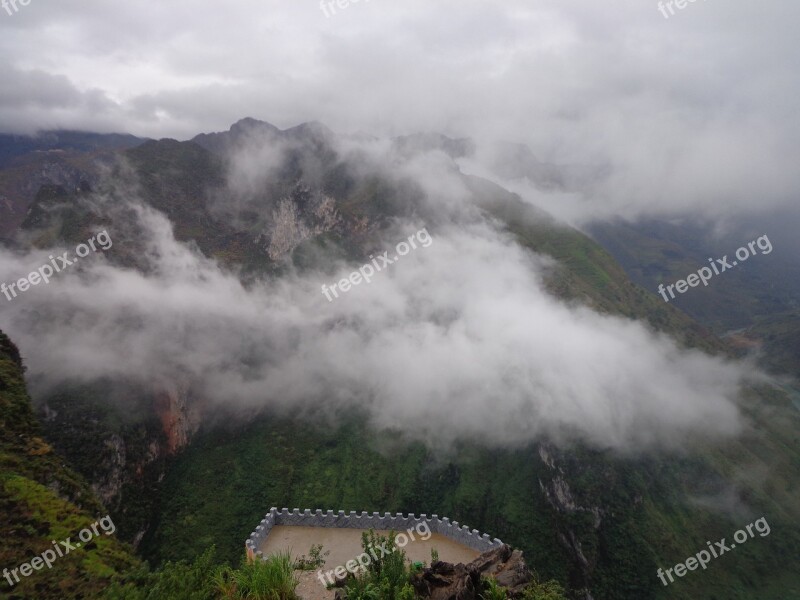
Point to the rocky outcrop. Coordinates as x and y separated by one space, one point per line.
561 498
507 566
112 468
445 581
179 416
303 215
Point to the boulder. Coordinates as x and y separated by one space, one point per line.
445 581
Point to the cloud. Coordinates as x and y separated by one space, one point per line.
691 114
457 341
35 96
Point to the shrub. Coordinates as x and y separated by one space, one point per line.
550 590
315 561
493 591
270 579
388 577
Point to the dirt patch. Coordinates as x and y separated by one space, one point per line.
310 588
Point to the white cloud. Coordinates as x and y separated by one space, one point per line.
691 113
459 340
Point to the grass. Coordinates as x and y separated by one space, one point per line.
42 500
204 579
388 577
270 579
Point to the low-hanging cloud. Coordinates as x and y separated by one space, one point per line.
459 340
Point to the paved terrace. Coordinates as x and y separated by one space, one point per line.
450 534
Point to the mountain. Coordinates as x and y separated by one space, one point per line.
754 305
14 147
252 131
61 158
183 475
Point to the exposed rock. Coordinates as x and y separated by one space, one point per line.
559 495
547 457
507 566
21 183
304 215
113 469
180 417
573 543
445 581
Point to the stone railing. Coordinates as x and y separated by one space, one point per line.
399 522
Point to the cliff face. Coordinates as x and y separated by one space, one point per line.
179 415
559 495
20 185
42 499
55 158
123 448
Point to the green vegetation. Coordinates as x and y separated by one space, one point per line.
622 518
650 511
780 334
388 577
588 274
42 500
492 591
196 580
316 558
221 486
203 579
549 590
271 579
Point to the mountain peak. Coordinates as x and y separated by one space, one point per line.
250 124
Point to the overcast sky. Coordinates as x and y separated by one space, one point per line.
699 108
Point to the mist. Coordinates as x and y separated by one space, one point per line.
459 340
686 116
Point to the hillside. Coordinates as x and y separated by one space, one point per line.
601 522
42 499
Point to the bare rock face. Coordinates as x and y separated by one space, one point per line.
303 215
507 566
445 581
180 417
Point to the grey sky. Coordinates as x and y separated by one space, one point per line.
695 110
